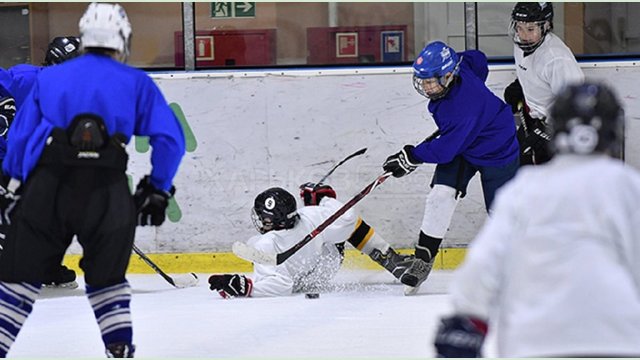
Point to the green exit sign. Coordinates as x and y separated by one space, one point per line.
233 9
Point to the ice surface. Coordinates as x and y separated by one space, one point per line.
366 315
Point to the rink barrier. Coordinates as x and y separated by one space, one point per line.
227 262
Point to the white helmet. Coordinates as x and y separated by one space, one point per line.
105 26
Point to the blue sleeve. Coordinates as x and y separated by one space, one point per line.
452 140
165 134
477 61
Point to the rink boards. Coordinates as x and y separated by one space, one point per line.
250 130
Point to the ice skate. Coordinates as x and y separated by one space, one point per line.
120 350
63 278
416 275
396 264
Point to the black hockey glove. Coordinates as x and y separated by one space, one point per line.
514 96
312 193
7 113
229 286
460 337
536 139
151 203
402 163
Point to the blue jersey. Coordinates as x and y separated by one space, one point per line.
126 98
473 122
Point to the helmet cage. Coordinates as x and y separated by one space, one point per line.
443 80
528 47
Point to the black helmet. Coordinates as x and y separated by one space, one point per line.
587 118
274 209
62 49
532 12
539 13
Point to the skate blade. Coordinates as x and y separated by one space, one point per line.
411 290
67 285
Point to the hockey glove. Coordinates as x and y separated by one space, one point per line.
402 163
9 197
7 113
514 96
460 336
229 286
536 140
151 203
312 193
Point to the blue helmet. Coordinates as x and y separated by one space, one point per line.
436 60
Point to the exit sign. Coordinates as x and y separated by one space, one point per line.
233 9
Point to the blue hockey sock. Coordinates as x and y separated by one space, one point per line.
111 307
16 303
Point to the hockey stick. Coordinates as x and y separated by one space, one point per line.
249 253
357 153
181 281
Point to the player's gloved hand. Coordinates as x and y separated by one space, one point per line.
231 285
151 203
9 197
312 193
460 336
7 113
537 137
402 163
514 96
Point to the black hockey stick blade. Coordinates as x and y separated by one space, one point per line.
249 253
180 281
357 153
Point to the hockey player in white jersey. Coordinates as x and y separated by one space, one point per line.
556 267
282 225
544 65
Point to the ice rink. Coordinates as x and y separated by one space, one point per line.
366 315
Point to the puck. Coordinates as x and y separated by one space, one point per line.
312 295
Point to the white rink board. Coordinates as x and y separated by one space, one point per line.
257 130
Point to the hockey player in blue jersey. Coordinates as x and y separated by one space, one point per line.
15 85
477 134
66 161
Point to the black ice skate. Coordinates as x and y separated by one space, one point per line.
62 277
416 275
120 350
395 263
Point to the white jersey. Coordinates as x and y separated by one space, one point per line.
545 72
315 264
557 265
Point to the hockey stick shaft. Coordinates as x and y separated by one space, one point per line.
254 255
357 153
180 281
151 264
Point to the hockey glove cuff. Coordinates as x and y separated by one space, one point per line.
460 336
9 197
514 96
402 163
151 203
231 285
312 193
